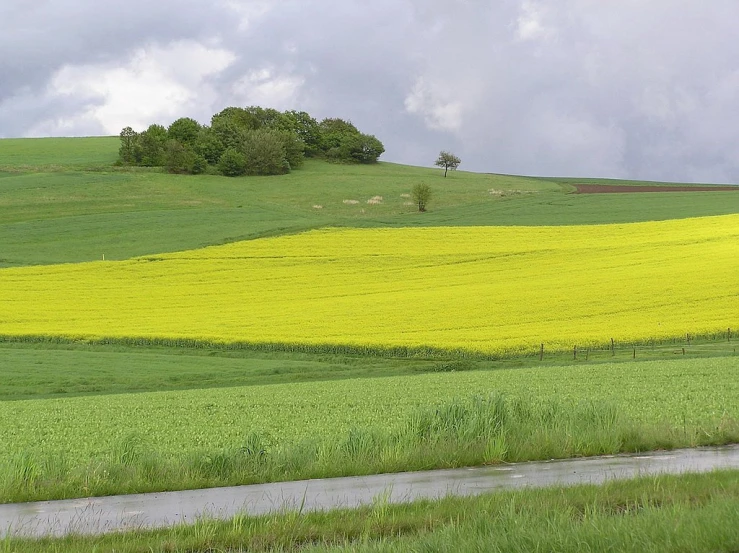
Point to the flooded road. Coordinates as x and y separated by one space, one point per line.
106 514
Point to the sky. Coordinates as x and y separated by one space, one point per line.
640 89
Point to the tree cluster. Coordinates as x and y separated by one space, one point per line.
247 141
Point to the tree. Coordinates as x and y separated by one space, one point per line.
447 160
302 125
185 130
209 145
421 194
365 148
152 142
228 132
335 135
129 142
294 148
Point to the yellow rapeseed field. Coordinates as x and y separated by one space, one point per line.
491 289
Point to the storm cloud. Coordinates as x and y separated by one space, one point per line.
626 88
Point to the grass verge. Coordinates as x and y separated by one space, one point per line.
480 430
667 513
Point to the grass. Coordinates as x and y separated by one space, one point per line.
696 513
208 437
62 201
58 154
44 369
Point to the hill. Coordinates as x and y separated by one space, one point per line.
62 200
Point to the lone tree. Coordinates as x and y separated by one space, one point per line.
447 160
421 194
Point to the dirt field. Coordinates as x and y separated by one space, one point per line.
617 189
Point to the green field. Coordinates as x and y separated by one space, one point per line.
68 369
681 391
168 418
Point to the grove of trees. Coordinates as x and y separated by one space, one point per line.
247 141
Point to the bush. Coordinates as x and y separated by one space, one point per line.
232 163
421 194
265 153
180 158
199 165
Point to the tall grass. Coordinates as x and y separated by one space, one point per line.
474 431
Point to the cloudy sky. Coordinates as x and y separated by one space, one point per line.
644 89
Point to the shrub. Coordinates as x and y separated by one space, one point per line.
265 153
232 163
421 194
180 158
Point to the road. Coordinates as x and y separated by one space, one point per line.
107 514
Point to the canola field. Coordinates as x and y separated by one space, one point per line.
677 392
496 290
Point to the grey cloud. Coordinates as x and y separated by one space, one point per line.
569 87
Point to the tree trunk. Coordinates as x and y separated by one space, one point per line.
446 168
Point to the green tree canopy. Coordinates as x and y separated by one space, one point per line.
288 137
185 130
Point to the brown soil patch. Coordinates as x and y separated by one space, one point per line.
616 189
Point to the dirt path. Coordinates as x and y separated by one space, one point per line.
106 514
617 189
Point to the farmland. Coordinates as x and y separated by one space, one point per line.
677 391
260 329
496 290
170 440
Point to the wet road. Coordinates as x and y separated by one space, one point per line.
106 514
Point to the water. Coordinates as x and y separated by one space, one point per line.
107 514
